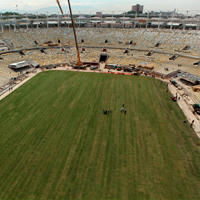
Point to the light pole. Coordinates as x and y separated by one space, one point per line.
37 19
47 21
135 20
58 20
147 20
15 23
101 19
27 21
112 19
79 13
2 29
159 21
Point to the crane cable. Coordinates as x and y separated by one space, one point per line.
79 63
60 7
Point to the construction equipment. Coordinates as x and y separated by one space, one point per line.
196 88
73 25
186 48
93 67
60 7
196 108
126 51
173 57
79 63
158 44
50 44
173 82
43 51
21 53
174 99
196 63
128 69
149 53
103 57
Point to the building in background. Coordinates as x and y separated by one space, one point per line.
99 14
137 9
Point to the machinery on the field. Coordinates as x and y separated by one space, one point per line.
174 98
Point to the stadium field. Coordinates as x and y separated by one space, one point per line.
56 143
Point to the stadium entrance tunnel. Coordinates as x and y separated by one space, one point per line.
103 57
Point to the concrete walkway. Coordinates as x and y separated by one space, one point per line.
186 106
14 87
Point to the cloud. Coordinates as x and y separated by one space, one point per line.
104 5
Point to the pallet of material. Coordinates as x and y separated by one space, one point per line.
145 67
196 88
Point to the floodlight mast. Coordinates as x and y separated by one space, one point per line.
79 63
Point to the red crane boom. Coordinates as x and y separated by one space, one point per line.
79 63
60 7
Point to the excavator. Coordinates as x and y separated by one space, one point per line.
79 64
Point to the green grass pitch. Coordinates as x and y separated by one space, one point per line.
55 142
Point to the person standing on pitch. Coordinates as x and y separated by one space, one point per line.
122 108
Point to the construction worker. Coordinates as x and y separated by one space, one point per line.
105 112
122 109
192 123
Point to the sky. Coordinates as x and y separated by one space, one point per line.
104 5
